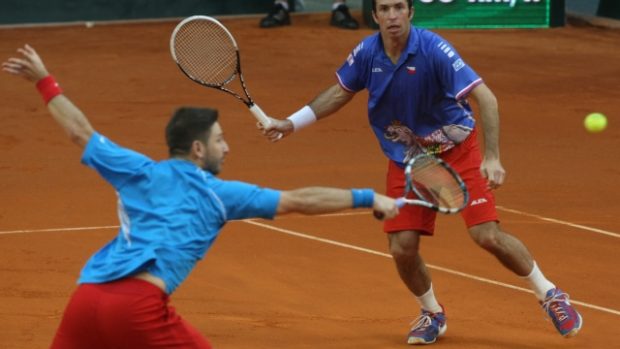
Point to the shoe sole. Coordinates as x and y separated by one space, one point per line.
418 340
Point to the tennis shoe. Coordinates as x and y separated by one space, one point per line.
277 17
427 328
341 18
564 317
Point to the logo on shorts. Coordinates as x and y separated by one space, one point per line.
478 202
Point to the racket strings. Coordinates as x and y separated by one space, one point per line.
205 52
436 184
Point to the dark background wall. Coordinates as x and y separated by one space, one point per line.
37 11
45 11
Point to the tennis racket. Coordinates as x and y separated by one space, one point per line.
430 182
208 54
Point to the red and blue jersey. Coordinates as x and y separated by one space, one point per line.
420 100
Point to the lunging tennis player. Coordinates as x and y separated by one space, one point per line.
171 211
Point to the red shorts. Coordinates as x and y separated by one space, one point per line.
466 159
128 313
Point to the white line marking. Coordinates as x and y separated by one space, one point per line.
446 270
56 229
365 250
501 208
557 221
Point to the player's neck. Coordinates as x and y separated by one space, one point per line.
394 46
194 160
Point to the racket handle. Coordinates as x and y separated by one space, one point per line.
400 202
259 114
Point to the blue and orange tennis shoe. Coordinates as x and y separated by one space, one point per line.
427 328
564 317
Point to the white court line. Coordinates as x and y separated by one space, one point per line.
55 229
505 209
557 221
365 250
446 270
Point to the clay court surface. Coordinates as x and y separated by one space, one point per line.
324 281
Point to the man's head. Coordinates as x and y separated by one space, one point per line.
374 5
194 134
393 17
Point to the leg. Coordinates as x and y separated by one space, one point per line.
278 15
513 254
404 242
509 250
78 327
341 17
481 219
404 248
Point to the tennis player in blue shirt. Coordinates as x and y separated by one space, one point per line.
171 212
418 87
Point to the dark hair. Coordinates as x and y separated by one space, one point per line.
187 125
374 5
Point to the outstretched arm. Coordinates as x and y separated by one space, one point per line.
69 117
326 103
317 200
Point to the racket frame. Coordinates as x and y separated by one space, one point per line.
258 113
410 187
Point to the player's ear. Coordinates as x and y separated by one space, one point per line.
198 149
374 17
411 12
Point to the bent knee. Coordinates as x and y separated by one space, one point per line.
487 236
404 245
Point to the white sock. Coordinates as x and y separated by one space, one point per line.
283 3
429 302
336 4
539 283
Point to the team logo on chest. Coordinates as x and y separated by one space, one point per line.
411 70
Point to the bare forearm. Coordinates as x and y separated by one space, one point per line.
71 119
330 101
490 124
30 66
315 200
489 114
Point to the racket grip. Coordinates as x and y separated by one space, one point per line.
260 115
400 202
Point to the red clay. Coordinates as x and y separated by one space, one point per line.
259 288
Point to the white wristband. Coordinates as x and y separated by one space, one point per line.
302 118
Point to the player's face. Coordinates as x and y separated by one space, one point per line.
217 148
393 17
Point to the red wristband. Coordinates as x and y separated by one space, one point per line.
48 88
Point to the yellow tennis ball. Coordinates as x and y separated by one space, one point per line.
595 122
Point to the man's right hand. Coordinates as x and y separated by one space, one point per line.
384 207
277 130
30 66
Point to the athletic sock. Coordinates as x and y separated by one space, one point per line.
283 3
337 4
539 283
428 301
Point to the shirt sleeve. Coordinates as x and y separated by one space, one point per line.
456 77
243 200
113 162
352 75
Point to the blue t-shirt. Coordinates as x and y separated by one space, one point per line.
170 213
420 100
